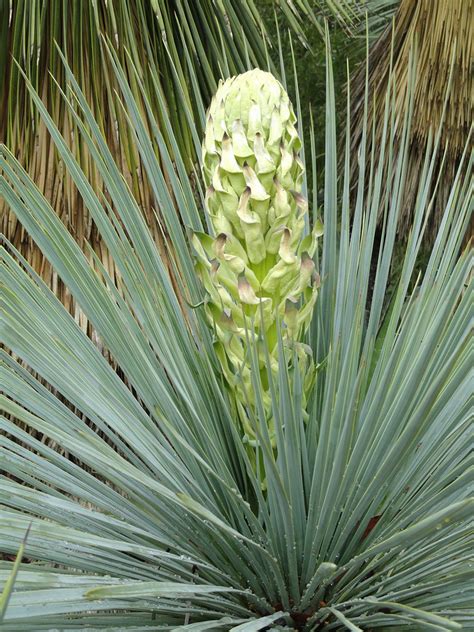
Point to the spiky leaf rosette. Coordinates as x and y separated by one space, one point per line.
258 268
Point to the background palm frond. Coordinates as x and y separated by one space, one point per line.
182 47
443 34
350 14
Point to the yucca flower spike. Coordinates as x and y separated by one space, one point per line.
258 267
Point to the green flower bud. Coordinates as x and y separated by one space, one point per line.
258 266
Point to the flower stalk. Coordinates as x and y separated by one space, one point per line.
257 268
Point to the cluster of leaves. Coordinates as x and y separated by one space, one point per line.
160 522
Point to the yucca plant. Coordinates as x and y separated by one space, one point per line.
162 522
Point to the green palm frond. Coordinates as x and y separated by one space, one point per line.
351 14
160 522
